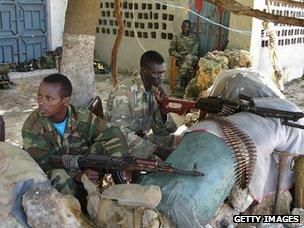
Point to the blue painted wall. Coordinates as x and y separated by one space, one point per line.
211 37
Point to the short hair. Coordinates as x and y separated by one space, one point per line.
66 85
188 22
151 57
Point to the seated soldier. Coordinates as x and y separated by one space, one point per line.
135 106
57 128
184 47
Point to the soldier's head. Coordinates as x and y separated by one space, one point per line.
152 68
186 27
54 96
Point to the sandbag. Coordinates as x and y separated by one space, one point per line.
187 201
246 81
193 201
211 65
28 199
46 207
268 135
134 195
106 211
16 168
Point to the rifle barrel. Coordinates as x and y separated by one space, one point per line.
191 173
287 123
275 113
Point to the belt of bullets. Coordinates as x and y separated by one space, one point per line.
243 147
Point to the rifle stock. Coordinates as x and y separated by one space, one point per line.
180 107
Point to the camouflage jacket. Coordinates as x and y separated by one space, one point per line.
84 133
180 46
135 110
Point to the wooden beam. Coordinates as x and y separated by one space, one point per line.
239 9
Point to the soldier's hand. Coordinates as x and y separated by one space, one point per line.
159 93
91 174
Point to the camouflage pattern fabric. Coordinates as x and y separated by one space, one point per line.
85 133
136 112
185 49
62 181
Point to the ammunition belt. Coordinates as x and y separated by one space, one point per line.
243 147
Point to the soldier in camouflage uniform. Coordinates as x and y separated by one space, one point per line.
134 105
184 47
57 128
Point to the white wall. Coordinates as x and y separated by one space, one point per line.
56 15
130 51
255 46
290 56
238 40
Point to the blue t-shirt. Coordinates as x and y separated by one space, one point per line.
60 126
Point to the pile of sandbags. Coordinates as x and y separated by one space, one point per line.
27 198
44 206
236 58
211 65
125 205
16 169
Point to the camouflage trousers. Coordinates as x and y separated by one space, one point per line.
163 141
166 144
187 69
62 181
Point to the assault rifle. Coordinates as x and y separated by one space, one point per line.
226 106
126 163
